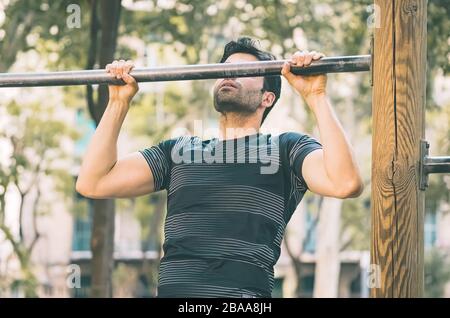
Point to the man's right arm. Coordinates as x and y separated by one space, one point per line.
102 175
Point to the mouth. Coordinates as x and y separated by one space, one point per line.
228 84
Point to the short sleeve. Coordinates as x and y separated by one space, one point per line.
159 161
298 147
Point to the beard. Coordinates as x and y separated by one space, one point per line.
236 100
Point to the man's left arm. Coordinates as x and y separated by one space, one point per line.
331 171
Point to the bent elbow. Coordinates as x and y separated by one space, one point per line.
352 189
84 189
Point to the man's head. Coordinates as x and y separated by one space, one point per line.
246 95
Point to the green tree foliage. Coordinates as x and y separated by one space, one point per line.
437 273
28 22
36 148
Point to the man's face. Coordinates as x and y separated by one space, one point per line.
239 95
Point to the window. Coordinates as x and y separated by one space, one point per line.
430 235
86 128
355 286
307 286
277 291
83 207
309 244
81 240
151 237
85 287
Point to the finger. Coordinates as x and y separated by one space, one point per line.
114 67
296 54
128 67
286 71
314 55
122 68
127 78
108 68
130 80
300 58
307 59
286 68
318 55
126 70
117 68
296 57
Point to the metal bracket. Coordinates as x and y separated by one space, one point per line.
429 165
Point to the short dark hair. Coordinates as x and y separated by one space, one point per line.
251 46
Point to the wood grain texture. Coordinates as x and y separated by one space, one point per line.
397 207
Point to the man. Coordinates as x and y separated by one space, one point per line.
226 217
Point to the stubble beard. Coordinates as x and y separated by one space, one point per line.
234 100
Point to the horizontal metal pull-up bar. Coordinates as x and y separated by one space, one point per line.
339 64
429 164
437 164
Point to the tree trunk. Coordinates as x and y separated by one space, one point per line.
102 245
102 241
326 281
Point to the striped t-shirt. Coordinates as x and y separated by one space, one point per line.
228 204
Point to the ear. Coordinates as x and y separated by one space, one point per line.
268 99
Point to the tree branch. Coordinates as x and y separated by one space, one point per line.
37 234
92 55
15 244
17 31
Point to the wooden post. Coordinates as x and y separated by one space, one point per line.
399 83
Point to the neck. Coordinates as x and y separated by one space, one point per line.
233 125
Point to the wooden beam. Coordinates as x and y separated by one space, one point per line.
399 67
